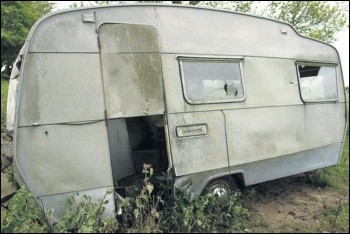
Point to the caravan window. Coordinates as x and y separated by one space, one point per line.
317 82
212 81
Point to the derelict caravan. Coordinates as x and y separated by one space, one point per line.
211 97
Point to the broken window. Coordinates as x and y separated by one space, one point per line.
211 81
317 82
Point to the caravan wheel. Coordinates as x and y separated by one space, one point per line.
220 188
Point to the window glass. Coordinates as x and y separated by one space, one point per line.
212 81
317 83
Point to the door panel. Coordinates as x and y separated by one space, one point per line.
198 141
131 67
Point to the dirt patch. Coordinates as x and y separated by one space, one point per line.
291 204
7 189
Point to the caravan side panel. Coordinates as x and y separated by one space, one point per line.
61 135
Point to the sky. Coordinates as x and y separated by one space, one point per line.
342 43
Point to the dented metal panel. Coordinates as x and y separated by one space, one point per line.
196 153
64 158
195 183
263 170
131 68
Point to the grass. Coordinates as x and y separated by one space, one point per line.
336 217
337 176
4 91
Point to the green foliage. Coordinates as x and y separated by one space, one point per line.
249 192
4 92
205 213
316 19
17 17
92 3
23 215
10 176
86 217
336 176
341 218
240 6
142 212
160 213
334 219
106 2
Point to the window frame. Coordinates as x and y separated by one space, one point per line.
238 60
320 64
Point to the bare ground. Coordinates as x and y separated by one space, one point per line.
291 204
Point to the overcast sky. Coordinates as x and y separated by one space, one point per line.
342 46
342 43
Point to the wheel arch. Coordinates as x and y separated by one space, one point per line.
195 183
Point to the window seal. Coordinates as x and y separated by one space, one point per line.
238 60
320 64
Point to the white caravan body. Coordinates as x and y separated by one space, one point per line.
200 93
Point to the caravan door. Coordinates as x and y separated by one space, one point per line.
133 87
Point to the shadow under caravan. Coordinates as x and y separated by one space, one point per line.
133 142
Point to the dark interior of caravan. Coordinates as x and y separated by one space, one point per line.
146 144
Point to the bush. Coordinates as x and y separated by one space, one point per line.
146 212
205 214
87 216
23 215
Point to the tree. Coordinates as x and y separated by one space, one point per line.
17 17
316 19
241 6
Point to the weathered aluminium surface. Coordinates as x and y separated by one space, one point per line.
200 93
